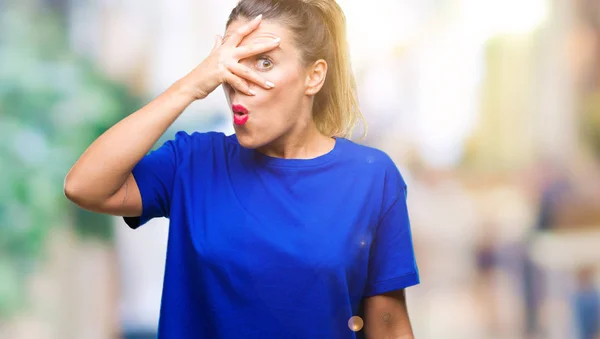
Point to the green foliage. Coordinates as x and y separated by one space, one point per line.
53 104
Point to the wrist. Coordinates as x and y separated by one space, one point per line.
182 88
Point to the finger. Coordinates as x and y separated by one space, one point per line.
218 42
243 31
238 84
247 74
246 51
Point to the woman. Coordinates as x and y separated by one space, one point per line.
285 229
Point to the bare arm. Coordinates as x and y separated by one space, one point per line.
386 317
101 179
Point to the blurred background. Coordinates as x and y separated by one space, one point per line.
490 108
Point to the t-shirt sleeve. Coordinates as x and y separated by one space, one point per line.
155 177
392 263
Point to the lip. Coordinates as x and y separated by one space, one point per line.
240 114
239 109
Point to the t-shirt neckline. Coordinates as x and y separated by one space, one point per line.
283 162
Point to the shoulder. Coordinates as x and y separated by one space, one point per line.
184 146
373 161
197 141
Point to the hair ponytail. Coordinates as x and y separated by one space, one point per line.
336 110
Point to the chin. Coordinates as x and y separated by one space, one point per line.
246 140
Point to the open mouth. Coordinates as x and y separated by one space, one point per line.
240 114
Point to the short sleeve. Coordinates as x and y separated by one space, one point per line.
155 177
392 263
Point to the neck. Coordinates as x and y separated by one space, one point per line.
303 142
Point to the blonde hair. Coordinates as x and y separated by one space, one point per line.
319 30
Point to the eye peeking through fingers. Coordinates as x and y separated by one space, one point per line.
263 63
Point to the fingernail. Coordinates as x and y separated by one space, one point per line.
251 92
276 40
258 17
270 84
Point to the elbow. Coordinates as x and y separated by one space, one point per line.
75 191
84 193
70 189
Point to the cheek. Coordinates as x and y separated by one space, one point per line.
284 78
281 97
288 90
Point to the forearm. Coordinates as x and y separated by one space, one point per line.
389 336
393 336
389 331
105 165
386 317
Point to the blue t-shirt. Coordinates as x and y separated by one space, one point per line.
270 248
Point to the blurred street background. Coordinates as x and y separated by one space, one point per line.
490 108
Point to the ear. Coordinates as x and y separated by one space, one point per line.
315 77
